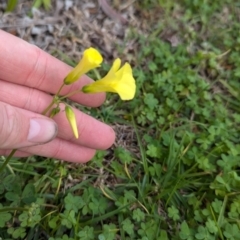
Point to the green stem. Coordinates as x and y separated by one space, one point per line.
70 94
6 209
48 108
60 89
53 101
7 159
96 73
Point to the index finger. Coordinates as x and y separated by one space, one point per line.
26 64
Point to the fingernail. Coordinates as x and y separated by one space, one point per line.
41 130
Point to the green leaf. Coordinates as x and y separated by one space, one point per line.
153 151
53 222
232 231
138 215
11 196
11 4
4 218
198 216
204 234
155 170
73 202
67 223
68 218
211 226
117 168
47 4
217 205
109 232
152 66
98 206
151 115
31 217
206 212
23 217
124 155
66 237
185 232
163 235
235 208
128 226
29 194
150 101
148 229
8 182
173 213
17 233
87 233
37 3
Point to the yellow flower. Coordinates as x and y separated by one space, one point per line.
72 120
118 80
90 60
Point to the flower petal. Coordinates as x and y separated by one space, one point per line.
126 88
72 120
90 60
119 81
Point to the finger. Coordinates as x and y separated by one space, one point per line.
61 149
43 71
57 149
93 134
21 128
16 154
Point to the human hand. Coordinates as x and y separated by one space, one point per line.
28 76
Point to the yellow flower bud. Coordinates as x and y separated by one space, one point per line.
118 80
90 60
72 120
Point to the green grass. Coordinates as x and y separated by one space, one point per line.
178 175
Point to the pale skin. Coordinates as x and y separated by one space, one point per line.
28 76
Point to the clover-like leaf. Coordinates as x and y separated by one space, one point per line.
128 226
29 194
138 215
4 218
173 213
87 233
73 202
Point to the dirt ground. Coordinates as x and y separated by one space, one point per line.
71 26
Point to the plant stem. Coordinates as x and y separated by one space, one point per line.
70 94
7 160
53 101
48 108
59 90
6 209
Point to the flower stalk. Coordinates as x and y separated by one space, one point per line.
118 80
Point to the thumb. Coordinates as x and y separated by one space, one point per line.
21 128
